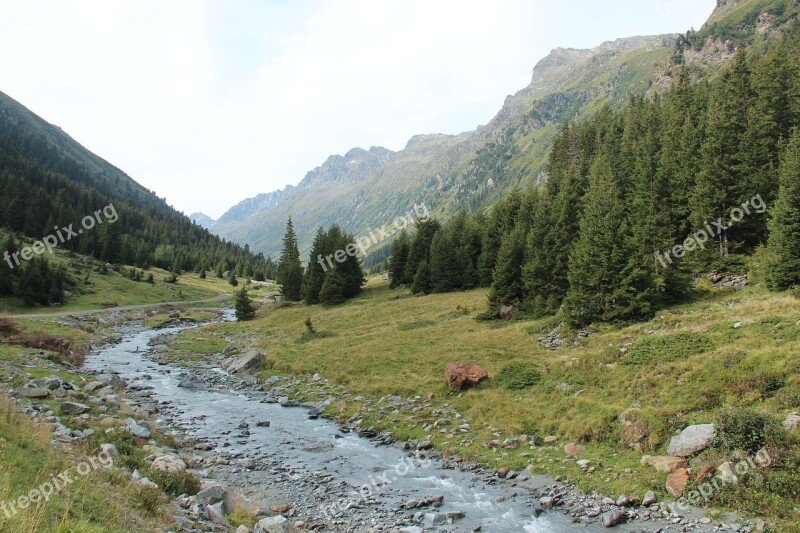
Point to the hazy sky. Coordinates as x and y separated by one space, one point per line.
210 102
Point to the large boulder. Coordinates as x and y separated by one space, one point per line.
664 463
72 408
169 462
460 375
273 524
251 361
692 440
677 481
32 392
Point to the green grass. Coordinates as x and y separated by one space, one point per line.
96 503
691 364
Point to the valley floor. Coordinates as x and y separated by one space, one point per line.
730 358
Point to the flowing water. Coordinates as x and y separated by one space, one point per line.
319 446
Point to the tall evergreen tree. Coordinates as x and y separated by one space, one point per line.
314 275
290 270
397 265
784 224
507 283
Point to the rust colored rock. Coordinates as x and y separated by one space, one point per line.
677 481
664 463
705 473
460 375
573 449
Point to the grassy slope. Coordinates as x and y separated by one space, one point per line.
116 288
703 365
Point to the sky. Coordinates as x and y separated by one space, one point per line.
207 102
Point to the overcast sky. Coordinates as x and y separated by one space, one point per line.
210 102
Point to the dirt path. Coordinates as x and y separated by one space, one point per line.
218 298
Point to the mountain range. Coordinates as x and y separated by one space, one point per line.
368 188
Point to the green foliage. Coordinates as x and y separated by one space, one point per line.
784 236
744 429
290 271
518 376
244 306
665 348
174 483
332 292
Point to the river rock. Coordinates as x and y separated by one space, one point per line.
792 423
216 512
677 481
273 524
460 375
435 519
614 518
692 440
664 463
137 430
251 361
169 462
109 450
649 498
263 423
32 392
72 408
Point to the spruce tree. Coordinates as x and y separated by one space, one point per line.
507 282
422 279
784 224
290 270
445 266
332 292
314 276
598 258
397 264
244 306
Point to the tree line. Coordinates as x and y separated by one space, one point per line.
628 185
333 272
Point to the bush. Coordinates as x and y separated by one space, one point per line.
174 484
8 327
743 429
149 499
666 348
517 376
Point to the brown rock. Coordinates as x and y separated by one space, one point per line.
281 509
634 428
551 439
460 375
705 473
664 463
574 449
677 481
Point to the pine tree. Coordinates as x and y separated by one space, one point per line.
422 279
244 306
232 279
598 258
784 224
508 287
332 292
314 276
290 270
445 266
397 264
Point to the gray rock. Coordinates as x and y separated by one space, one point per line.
792 423
211 495
252 360
692 440
132 427
273 524
53 383
315 412
32 392
72 408
649 498
263 423
425 445
109 449
614 518
216 512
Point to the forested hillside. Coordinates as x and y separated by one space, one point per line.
639 202
51 183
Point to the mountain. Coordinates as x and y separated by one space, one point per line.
476 168
50 181
202 220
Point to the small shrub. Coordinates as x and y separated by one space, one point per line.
310 326
766 384
8 327
149 499
666 348
174 484
517 376
172 278
743 429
